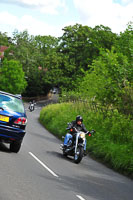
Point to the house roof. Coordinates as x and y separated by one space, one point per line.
2 49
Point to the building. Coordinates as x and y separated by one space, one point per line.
2 50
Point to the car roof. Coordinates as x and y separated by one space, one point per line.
13 95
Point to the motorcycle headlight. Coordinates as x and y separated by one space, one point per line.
82 135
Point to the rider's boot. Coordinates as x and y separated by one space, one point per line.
85 153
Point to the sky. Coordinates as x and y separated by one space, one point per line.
49 17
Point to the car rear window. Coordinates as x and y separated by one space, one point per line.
11 103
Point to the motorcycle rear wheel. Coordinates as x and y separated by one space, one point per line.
79 155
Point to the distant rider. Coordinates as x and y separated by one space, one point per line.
32 105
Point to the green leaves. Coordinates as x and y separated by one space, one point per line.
12 77
104 60
108 78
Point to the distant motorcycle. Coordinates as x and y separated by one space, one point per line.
76 145
32 106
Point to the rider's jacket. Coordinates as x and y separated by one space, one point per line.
78 127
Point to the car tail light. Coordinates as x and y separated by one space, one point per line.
21 121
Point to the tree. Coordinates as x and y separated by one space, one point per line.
109 80
39 60
12 77
50 66
4 39
76 43
124 43
79 46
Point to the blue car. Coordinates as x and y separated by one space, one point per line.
13 120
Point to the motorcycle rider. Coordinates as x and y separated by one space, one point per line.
78 124
32 105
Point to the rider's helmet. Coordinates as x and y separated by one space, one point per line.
79 118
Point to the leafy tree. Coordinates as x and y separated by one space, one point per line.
39 60
12 77
102 37
124 43
48 61
37 84
46 43
4 39
75 43
25 50
51 60
108 81
79 46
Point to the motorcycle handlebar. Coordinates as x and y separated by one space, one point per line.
89 132
93 131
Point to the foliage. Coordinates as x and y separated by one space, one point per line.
112 142
62 62
4 39
108 80
78 46
12 77
39 60
124 43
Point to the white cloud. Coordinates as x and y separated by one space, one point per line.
89 12
45 6
27 22
8 19
127 1
105 12
37 27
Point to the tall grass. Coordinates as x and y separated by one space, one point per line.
113 140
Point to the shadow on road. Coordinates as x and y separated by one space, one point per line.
60 155
4 148
50 139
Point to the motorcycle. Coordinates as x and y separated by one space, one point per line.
76 144
32 106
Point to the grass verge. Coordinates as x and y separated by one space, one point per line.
113 142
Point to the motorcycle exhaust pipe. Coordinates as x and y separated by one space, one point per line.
61 146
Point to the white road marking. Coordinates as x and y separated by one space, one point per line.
81 198
47 168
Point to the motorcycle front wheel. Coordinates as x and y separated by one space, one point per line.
79 155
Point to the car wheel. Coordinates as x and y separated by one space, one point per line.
15 147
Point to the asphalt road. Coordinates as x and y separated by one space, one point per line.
40 172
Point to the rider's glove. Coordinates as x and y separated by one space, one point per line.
88 133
